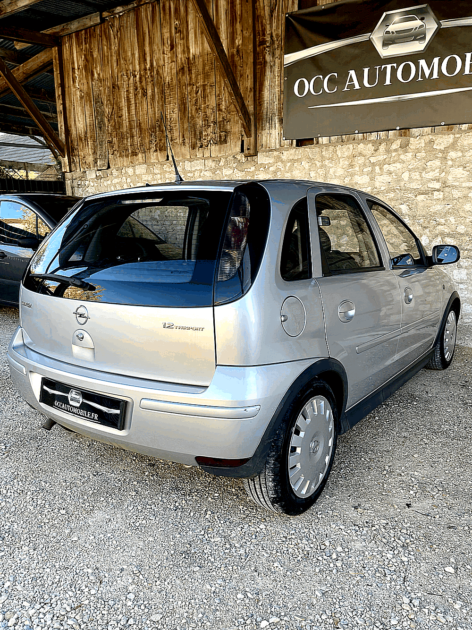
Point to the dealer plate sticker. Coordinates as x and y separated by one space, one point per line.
83 404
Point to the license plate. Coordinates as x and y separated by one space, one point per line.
83 404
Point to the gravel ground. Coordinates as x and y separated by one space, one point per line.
95 537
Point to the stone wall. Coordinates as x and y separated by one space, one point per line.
426 177
168 223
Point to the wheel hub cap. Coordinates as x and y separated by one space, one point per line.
450 333
311 446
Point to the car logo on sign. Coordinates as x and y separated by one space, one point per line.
81 315
75 398
406 31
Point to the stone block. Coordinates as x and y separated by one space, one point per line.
141 169
265 158
443 141
458 174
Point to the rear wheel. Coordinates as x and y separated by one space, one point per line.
301 455
445 345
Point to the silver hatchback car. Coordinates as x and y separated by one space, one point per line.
236 326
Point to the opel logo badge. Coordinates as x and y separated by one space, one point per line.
75 398
81 315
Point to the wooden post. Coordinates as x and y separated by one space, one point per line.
250 71
218 50
61 105
50 136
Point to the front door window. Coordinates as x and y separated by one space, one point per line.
401 243
347 244
18 222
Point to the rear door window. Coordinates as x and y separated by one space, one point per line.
295 263
159 249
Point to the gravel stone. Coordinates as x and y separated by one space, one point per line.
96 538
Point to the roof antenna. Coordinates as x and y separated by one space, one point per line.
178 178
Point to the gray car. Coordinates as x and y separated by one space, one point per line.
235 326
25 220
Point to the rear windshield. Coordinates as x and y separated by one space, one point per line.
155 249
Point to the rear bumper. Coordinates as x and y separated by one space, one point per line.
226 420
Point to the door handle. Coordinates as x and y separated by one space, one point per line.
346 311
3 255
408 293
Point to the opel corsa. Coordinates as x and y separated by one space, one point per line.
235 326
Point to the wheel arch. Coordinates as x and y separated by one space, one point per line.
339 387
330 371
454 303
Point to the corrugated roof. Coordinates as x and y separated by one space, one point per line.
49 13
33 153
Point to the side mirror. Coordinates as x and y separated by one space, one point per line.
445 254
29 243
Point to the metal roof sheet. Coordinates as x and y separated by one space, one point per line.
49 13
31 154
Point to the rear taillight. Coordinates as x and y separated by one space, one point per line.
235 241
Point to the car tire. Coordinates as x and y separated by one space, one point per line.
443 352
301 454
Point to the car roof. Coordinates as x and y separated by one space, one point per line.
32 195
222 185
37 197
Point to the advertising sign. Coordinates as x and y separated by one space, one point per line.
370 65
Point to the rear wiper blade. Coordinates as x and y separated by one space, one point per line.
75 282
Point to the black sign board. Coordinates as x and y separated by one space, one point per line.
369 65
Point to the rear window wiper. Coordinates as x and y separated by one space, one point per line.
75 282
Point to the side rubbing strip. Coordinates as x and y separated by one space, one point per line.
377 341
206 411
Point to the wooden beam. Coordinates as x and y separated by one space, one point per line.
61 105
219 52
69 27
123 8
30 37
27 102
11 56
16 145
76 25
20 112
28 70
20 130
8 7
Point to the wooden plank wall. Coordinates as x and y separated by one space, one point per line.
120 75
